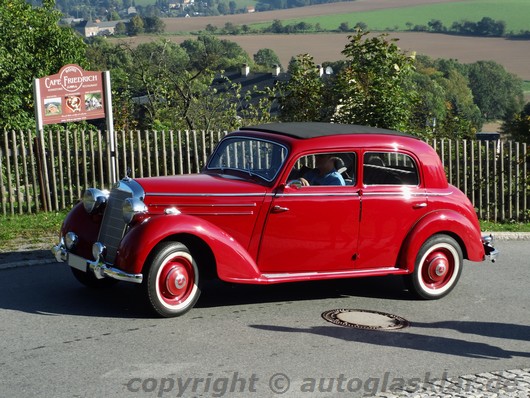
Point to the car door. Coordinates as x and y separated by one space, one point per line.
393 200
312 228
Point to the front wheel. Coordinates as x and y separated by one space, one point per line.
438 267
171 280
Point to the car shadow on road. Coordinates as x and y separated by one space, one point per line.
406 338
51 289
217 293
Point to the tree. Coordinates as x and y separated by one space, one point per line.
344 27
135 26
32 45
431 108
103 55
266 58
370 88
463 116
497 93
170 86
154 25
446 107
518 126
436 25
302 98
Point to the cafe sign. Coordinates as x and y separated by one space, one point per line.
71 95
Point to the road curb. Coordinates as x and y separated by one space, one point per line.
508 235
27 263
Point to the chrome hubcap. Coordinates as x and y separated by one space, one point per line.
438 268
177 281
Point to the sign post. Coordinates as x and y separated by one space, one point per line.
73 95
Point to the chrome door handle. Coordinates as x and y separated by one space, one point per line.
419 205
279 209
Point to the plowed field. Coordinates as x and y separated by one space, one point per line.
514 55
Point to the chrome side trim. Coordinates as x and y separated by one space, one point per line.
241 213
314 274
397 194
434 194
309 194
207 194
408 194
208 205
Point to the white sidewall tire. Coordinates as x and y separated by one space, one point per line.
427 289
167 257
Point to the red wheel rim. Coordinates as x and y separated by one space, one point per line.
438 269
176 281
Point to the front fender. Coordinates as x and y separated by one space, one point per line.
85 226
449 222
233 261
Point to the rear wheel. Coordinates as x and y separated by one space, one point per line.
438 267
171 280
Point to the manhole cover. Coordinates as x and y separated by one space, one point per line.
364 319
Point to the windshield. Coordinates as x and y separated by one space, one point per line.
250 155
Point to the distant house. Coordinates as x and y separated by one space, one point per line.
90 29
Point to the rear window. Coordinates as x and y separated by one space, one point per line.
389 168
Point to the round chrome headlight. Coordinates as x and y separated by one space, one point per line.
70 240
93 198
98 250
132 207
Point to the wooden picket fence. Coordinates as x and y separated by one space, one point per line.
51 173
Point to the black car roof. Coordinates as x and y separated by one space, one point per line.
318 129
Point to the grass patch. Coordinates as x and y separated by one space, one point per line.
30 228
504 227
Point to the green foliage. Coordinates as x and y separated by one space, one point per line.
497 93
518 126
266 58
32 45
302 98
446 108
135 26
165 86
371 86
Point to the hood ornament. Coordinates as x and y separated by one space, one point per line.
127 174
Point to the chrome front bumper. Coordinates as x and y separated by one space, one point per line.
490 251
98 268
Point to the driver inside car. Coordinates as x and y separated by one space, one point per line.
325 172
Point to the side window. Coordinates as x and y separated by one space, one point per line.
327 168
389 168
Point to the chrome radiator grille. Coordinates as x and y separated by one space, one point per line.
113 226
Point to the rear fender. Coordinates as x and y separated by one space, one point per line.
232 261
447 222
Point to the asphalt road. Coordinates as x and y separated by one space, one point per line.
60 339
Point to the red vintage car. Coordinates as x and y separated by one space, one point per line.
275 203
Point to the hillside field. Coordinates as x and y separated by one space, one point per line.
514 55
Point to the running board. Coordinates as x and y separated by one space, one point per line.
304 276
